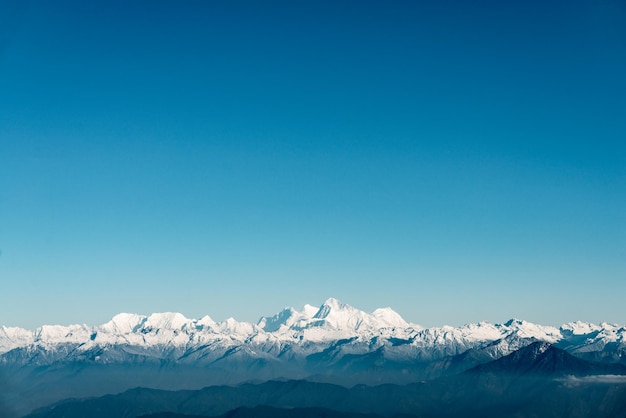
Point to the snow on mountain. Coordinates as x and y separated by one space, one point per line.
55 334
166 320
596 342
287 318
580 328
11 337
205 323
123 323
529 330
338 316
168 329
332 320
236 329
336 327
390 318
334 341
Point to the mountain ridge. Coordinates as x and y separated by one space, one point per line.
543 359
334 318
295 333
523 383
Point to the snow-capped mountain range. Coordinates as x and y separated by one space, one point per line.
334 343
296 334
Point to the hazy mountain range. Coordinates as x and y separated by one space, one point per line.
538 380
335 343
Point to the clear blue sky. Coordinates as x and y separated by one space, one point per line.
458 161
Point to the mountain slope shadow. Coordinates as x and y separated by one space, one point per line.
537 380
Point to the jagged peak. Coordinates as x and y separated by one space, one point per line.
274 322
523 324
289 318
206 320
124 323
525 329
334 315
515 322
333 306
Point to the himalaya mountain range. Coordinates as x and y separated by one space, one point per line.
334 344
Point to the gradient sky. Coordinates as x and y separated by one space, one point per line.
458 161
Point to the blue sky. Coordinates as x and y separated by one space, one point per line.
458 162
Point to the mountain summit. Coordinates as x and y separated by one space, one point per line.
332 317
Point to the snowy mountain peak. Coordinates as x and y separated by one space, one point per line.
390 317
11 337
333 302
337 316
206 322
579 328
525 329
273 323
166 320
288 318
332 306
235 328
124 323
606 325
514 322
